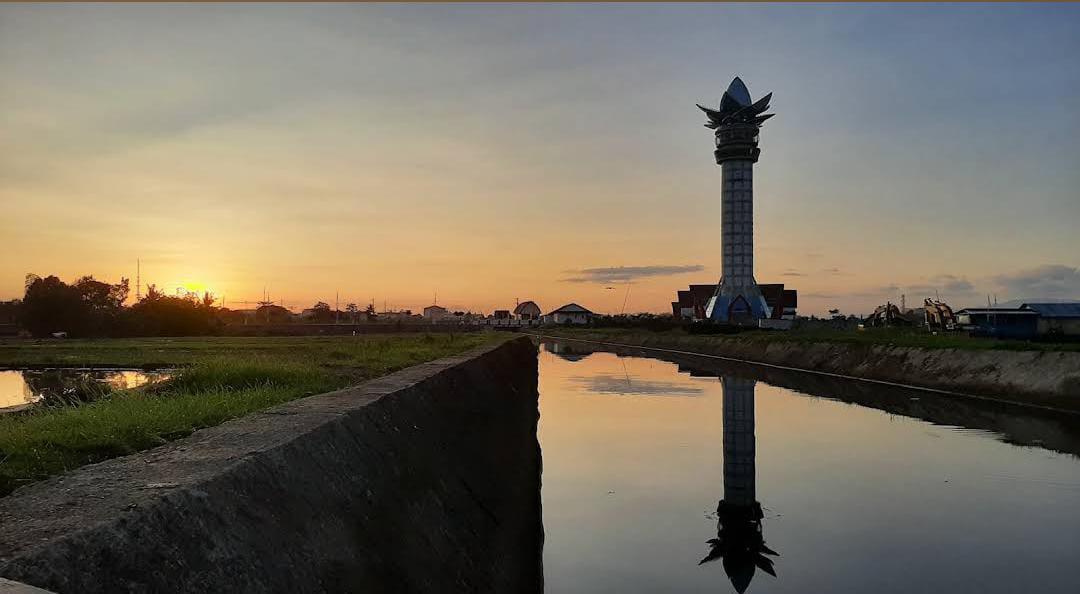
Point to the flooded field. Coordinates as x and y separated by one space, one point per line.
696 477
23 388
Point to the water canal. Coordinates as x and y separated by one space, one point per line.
698 476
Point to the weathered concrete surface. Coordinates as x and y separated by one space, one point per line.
427 480
1050 379
10 587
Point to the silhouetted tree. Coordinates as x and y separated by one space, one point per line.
272 314
352 310
86 308
321 313
158 314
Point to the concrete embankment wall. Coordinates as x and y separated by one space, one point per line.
1041 378
427 480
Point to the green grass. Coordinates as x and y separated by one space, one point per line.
221 379
869 336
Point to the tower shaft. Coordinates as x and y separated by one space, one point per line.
737 220
739 442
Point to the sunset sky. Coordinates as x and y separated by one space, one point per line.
539 152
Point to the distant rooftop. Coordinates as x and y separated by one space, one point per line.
1012 311
1054 310
571 308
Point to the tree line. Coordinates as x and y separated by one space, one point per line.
92 308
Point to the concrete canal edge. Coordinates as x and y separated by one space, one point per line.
10 587
424 480
1045 379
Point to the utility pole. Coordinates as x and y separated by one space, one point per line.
337 300
138 279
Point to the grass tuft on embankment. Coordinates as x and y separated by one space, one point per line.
221 379
868 337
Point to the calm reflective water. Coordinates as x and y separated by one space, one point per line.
659 481
21 388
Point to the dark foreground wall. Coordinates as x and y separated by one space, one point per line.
427 480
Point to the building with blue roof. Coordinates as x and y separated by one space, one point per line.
1029 320
1056 319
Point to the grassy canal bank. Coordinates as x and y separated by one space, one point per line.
219 379
893 337
1040 374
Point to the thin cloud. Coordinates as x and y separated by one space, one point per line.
945 283
623 274
1051 280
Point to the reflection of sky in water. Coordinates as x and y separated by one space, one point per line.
854 499
16 392
13 390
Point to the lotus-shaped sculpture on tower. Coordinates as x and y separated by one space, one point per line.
737 108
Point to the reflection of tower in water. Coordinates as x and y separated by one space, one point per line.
739 452
739 539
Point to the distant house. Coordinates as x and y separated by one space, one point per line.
1056 319
570 313
434 313
501 314
999 322
527 310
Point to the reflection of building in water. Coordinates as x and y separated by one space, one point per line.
570 352
739 539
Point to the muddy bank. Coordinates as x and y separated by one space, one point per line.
424 480
1041 378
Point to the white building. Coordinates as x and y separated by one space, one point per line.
570 313
434 313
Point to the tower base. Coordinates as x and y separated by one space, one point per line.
735 305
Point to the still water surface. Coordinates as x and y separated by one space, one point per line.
645 464
22 388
